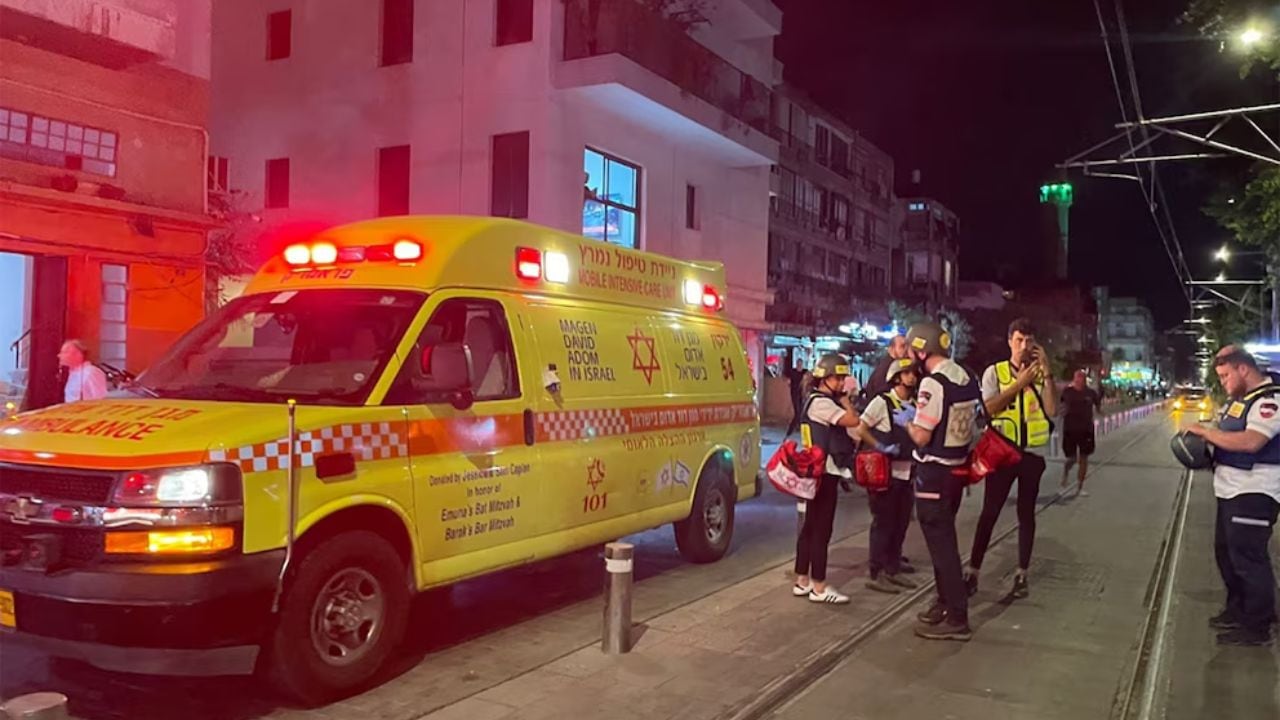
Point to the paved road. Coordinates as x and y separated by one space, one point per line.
1068 651
465 638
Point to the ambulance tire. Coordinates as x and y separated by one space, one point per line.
365 565
704 536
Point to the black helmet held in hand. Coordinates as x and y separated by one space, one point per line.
1192 451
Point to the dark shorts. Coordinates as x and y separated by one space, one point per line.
1074 443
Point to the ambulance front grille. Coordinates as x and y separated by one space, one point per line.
55 484
78 545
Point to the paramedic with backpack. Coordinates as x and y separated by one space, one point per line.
884 428
828 416
1020 399
943 429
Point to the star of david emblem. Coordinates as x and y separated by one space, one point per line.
644 355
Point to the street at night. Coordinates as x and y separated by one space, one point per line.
662 359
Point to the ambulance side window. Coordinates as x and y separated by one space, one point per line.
482 326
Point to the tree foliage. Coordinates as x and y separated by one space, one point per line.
232 250
1224 20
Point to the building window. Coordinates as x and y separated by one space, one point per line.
691 207
57 143
611 207
114 315
277 185
280 35
509 195
219 174
515 22
397 31
840 156
393 180
822 144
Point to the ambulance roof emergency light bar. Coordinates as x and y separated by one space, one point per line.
301 256
533 265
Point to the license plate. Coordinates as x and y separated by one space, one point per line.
8 614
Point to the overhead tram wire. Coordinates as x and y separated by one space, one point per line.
1173 249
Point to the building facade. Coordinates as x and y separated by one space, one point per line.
1128 339
592 117
830 235
103 205
926 267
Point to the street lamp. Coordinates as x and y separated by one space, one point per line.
1223 254
1252 36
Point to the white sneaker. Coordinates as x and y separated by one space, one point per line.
801 590
830 595
1083 493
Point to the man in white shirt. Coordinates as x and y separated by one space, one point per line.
884 428
943 431
85 381
1246 481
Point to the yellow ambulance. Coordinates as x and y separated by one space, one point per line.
391 406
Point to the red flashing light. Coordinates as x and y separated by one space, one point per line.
66 515
407 250
528 263
712 299
297 254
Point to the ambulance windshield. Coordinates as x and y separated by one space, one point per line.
322 346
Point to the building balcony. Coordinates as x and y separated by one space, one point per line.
625 59
111 33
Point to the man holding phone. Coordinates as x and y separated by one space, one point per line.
1020 398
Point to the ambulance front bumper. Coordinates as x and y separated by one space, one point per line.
200 618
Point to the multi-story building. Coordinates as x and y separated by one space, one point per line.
103 214
604 118
926 266
830 238
1128 336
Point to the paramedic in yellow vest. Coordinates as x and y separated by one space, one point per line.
1020 398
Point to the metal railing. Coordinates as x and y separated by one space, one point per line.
661 46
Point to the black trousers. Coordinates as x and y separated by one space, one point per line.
1241 542
890 515
815 534
938 494
1027 474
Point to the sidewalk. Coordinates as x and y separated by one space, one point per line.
701 660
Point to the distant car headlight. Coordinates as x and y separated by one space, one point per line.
1177 404
1204 404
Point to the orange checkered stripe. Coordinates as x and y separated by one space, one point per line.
366 441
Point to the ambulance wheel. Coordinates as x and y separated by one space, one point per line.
704 536
343 613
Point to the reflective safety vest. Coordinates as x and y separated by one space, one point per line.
1023 422
1236 419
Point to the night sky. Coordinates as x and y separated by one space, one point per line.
985 97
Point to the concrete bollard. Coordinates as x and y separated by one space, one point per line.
618 562
36 706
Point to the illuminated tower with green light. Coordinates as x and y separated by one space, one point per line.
1059 195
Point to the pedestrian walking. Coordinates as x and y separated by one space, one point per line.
1020 398
1079 401
942 430
828 417
1246 482
884 428
85 381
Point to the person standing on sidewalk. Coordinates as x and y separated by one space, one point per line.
1078 442
1246 481
1020 398
884 427
827 419
878 383
943 429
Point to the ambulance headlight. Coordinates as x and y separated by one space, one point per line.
201 485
